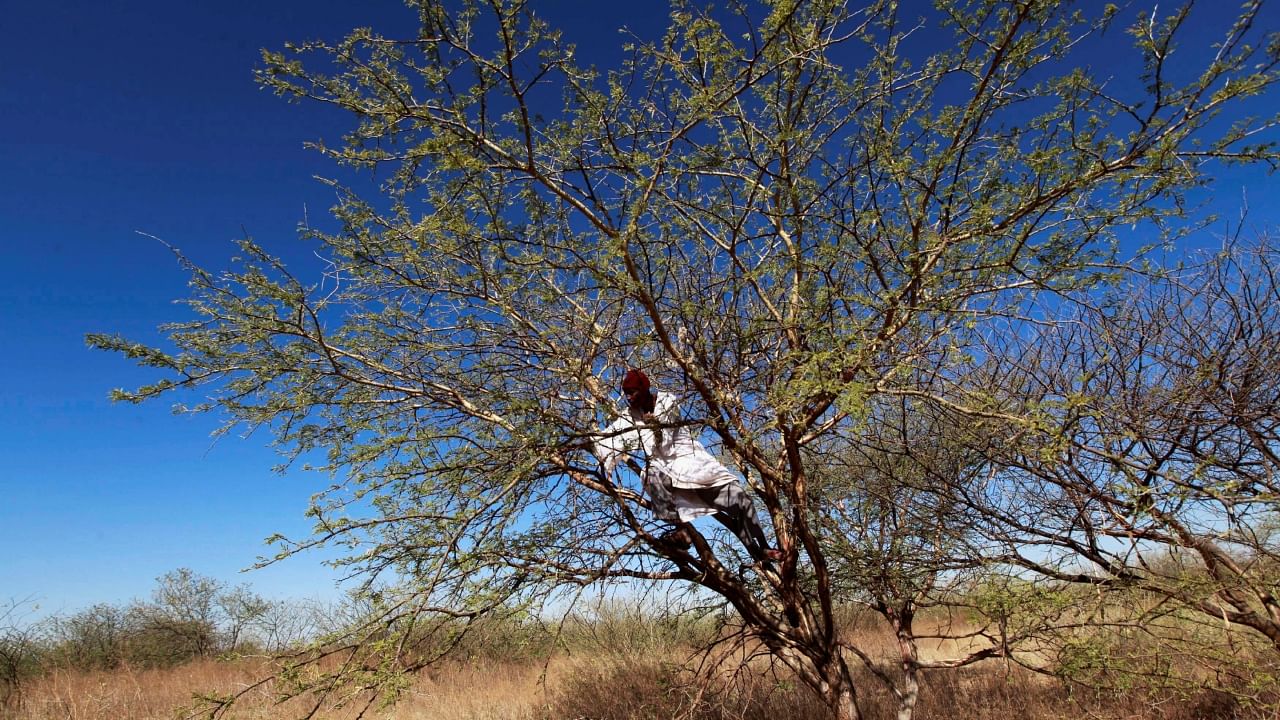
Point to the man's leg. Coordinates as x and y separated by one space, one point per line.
664 508
736 512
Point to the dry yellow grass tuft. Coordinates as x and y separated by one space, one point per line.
127 692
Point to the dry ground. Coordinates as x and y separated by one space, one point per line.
594 683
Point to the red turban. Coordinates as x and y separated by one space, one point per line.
635 380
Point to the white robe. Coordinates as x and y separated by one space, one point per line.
678 461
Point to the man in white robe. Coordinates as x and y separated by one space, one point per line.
682 479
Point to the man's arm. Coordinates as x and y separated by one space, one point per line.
666 413
666 410
611 446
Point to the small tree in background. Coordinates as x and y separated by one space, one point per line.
193 616
906 544
181 621
783 212
1151 476
244 619
188 616
98 637
21 648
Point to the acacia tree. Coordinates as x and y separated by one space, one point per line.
779 211
98 637
888 497
1151 474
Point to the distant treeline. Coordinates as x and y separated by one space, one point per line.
188 616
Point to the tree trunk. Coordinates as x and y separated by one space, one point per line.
910 656
838 691
846 706
909 691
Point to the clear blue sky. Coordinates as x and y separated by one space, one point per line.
143 116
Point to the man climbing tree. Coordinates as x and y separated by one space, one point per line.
683 480
831 203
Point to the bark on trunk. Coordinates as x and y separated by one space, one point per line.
910 677
837 690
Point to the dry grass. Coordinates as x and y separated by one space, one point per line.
481 692
596 684
127 692
469 692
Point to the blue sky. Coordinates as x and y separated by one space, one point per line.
143 116
118 118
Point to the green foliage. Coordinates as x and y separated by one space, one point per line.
97 637
1167 656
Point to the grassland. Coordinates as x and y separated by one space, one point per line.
610 673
